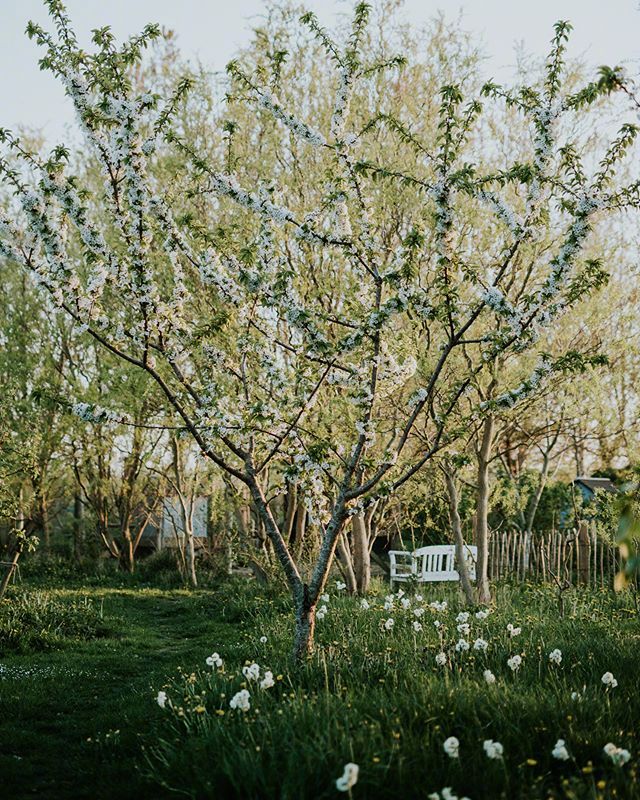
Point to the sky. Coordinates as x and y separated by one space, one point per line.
605 32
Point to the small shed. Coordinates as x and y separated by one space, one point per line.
589 486
171 528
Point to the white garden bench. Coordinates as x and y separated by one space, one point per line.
434 563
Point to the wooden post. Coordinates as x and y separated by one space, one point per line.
584 548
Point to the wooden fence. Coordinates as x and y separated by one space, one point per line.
578 556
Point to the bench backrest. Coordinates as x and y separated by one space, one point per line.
432 563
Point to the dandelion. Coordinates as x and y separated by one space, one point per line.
438 606
463 616
480 644
489 676
267 682
324 598
322 612
464 629
214 660
513 631
161 699
418 598
482 614
618 755
240 700
388 624
452 747
436 623
418 612
560 751
405 603
417 626
263 640
462 645
349 778
340 586
364 604
609 681
494 750
441 659
252 672
514 663
555 656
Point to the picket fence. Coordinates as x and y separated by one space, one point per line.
578 556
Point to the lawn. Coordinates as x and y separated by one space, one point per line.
79 715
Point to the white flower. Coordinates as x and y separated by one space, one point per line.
240 700
462 645
441 659
482 614
452 747
321 612
267 682
161 699
609 681
252 672
388 605
439 606
340 585
433 796
493 749
514 663
405 603
463 616
489 676
418 598
263 640
577 696
399 593
513 631
214 660
418 612
349 777
388 624
324 598
436 623
560 751
464 629
618 755
555 656
447 794
480 644
417 626
364 604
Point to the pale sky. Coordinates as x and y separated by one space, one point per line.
605 32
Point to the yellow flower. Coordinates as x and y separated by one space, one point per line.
376 760
531 762
199 709
220 712
587 770
601 784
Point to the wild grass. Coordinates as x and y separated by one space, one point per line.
81 720
379 699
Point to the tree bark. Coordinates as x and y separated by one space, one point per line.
361 556
456 526
346 564
13 565
305 626
482 510
78 544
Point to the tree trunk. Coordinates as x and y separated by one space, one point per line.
346 564
305 627
191 559
361 556
482 511
456 526
78 544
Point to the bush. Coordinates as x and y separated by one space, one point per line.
32 621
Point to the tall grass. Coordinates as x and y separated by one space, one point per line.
378 698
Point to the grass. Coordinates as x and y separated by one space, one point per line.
82 720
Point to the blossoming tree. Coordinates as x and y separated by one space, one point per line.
305 337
